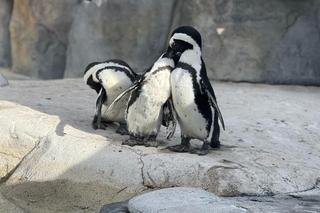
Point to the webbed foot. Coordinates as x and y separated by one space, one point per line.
179 148
152 143
215 144
133 141
122 130
203 151
183 147
101 125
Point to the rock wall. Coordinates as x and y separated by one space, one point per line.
133 30
272 41
39 34
258 41
5 14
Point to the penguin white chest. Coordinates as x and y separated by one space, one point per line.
145 114
191 121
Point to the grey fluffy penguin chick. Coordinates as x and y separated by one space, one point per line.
147 99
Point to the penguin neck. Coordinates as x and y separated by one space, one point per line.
162 62
193 58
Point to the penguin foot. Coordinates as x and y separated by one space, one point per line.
152 143
96 125
203 151
215 144
122 130
179 148
131 142
199 151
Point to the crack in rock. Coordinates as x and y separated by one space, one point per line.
10 173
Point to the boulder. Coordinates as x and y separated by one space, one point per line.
5 50
257 41
181 199
39 37
135 31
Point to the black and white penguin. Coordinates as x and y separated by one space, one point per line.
109 79
193 97
144 114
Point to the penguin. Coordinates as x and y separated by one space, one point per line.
147 99
109 79
193 97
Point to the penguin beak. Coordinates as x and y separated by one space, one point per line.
172 54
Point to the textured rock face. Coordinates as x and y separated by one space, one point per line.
5 49
39 34
272 41
135 31
259 41
270 147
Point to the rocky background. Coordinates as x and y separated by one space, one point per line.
275 41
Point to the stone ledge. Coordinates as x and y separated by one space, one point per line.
270 145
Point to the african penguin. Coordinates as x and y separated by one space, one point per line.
109 79
148 96
193 98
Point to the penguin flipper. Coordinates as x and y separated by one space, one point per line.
122 96
169 118
102 97
206 87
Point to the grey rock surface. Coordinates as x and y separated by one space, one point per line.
5 49
8 207
3 81
8 74
257 41
270 147
39 37
135 31
181 199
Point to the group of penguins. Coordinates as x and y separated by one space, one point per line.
175 88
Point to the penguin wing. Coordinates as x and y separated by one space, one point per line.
169 118
123 96
207 88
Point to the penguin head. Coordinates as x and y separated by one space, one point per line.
170 53
185 38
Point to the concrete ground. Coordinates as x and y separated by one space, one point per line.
51 158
